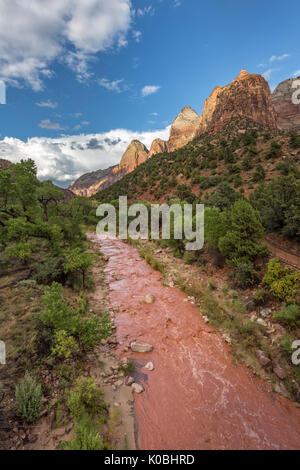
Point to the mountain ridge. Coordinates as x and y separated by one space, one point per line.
247 96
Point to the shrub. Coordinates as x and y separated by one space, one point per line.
64 345
57 313
86 437
77 263
286 344
260 297
244 275
283 282
86 398
29 398
289 314
49 271
259 174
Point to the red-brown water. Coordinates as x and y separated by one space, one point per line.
196 398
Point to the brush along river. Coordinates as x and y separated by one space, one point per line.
195 398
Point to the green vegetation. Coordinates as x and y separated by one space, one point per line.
282 282
66 330
29 398
289 315
279 205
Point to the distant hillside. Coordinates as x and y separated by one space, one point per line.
247 96
242 154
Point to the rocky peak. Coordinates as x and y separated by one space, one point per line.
183 128
158 146
247 96
242 75
135 154
288 113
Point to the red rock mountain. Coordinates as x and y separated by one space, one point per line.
288 113
91 183
183 129
247 96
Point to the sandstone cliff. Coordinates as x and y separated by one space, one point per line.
288 113
248 96
158 146
135 154
91 183
183 129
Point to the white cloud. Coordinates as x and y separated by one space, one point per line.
267 74
296 74
66 158
47 104
145 11
114 85
176 3
154 114
47 124
137 35
278 57
32 36
149 90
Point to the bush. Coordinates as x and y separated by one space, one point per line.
64 345
259 174
49 271
86 398
282 282
260 297
286 344
86 437
29 398
57 313
289 314
244 275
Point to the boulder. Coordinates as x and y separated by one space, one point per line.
263 359
137 388
149 299
138 346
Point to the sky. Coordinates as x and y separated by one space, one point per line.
85 77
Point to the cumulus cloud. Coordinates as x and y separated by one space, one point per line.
149 90
66 158
33 35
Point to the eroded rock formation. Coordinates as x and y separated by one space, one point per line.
248 96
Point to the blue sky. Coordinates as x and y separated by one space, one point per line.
113 70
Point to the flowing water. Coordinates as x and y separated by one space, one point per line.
196 398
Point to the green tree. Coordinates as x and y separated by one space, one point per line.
242 241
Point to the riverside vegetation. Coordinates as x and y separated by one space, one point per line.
45 320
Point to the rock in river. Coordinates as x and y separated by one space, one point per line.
138 346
